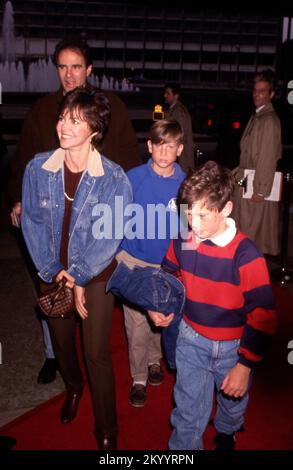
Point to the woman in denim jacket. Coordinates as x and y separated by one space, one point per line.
69 197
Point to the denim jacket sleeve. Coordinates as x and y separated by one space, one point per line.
102 245
37 234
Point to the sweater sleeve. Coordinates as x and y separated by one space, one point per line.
120 142
170 261
261 320
27 147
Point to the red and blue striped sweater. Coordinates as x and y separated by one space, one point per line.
228 292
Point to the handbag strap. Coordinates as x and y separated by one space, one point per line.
61 287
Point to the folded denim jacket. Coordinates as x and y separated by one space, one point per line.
151 288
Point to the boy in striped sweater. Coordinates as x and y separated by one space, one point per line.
229 314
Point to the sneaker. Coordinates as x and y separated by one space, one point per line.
155 374
224 441
137 395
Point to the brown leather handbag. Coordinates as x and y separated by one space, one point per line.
57 302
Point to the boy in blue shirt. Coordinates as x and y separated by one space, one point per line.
155 186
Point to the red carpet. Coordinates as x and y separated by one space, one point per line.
269 418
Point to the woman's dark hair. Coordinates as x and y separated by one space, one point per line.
92 106
210 183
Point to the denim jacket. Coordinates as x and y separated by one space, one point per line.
89 252
152 288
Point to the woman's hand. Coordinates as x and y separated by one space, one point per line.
80 301
64 274
159 319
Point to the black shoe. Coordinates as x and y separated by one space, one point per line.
70 406
107 442
155 374
48 372
6 443
137 395
224 441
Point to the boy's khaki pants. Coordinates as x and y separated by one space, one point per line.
144 339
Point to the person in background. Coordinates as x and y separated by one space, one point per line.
261 148
62 191
180 113
73 61
229 315
155 185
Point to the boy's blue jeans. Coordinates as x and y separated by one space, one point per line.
201 364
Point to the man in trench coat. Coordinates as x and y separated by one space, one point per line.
260 151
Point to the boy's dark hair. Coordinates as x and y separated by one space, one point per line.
166 130
210 183
94 107
267 75
76 44
174 87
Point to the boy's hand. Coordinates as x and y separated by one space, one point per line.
235 383
159 319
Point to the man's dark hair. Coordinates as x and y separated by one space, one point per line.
267 75
210 183
92 106
174 87
76 44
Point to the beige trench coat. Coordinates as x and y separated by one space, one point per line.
260 150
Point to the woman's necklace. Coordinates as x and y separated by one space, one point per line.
71 180
71 199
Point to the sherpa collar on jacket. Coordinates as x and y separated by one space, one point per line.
56 160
